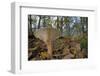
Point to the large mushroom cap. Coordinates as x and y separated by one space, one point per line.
47 33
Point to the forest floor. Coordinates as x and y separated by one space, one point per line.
63 48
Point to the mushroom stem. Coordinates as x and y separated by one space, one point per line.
50 48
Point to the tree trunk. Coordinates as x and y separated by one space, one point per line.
61 25
57 22
44 22
30 25
39 22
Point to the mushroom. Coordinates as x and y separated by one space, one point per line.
48 35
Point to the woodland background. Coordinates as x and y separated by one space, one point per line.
72 42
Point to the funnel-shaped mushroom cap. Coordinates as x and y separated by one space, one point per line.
46 34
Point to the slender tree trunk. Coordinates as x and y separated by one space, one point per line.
57 22
61 25
82 23
39 22
30 25
44 23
